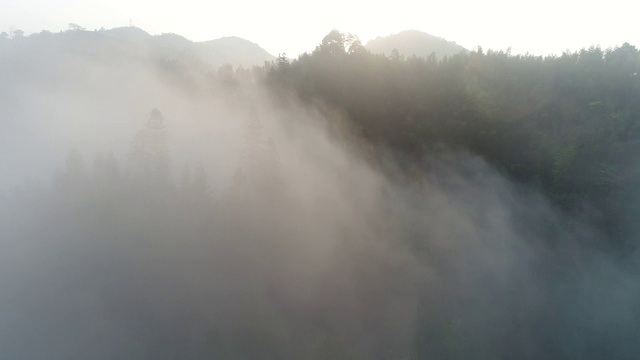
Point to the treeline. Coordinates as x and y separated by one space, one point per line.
568 125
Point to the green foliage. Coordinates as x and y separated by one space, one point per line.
567 124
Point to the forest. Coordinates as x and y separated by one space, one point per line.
344 204
566 125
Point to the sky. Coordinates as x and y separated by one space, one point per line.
293 27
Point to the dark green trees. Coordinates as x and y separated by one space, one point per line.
567 124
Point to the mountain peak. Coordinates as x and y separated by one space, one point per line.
238 51
129 33
414 42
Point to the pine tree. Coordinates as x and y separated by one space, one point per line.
149 157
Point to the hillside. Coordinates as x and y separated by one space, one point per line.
135 44
413 42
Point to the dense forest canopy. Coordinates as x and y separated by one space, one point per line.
567 125
340 205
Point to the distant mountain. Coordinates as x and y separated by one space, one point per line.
413 42
228 50
130 33
135 44
234 50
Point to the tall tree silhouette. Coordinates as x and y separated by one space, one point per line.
149 157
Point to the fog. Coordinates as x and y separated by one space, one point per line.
144 218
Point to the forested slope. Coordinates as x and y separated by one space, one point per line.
568 125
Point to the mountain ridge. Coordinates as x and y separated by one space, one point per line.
134 41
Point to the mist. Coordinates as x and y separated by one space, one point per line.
150 215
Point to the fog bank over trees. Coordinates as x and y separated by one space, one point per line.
342 205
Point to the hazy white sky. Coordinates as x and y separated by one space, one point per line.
539 27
